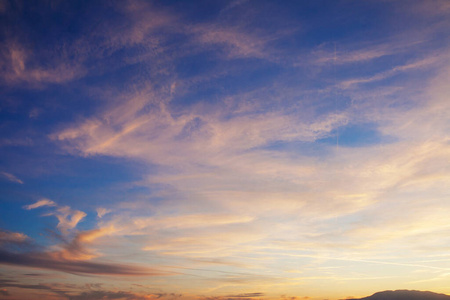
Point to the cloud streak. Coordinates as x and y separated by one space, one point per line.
41 203
11 177
46 261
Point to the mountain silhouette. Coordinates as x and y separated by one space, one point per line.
406 295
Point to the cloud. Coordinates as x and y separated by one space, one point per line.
12 237
98 295
16 141
237 43
95 292
20 67
40 203
47 261
76 249
190 221
14 284
246 295
73 247
243 177
221 243
11 177
236 296
232 157
221 157
351 54
417 65
67 217
73 292
74 56
182 235
218 131
101 211
430 9
234 4
70 257
16 241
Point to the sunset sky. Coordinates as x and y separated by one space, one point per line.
224 150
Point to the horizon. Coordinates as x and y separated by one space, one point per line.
224 149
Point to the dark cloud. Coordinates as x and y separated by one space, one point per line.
246 295
44 260
15 284
242 296
92 286
66 291
45 287
167 296
16 241
94 295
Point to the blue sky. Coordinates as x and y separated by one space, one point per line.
223 149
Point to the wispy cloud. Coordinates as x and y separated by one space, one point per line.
418 65
41 203
67 217
234 4
234 41
101 211
262 159
69 59
20 67
235 149
11 177
351 54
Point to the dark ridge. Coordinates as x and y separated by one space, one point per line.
406 295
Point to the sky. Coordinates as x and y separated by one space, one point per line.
224 149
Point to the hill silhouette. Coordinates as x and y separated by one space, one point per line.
406 295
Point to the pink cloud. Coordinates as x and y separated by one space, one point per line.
40 203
